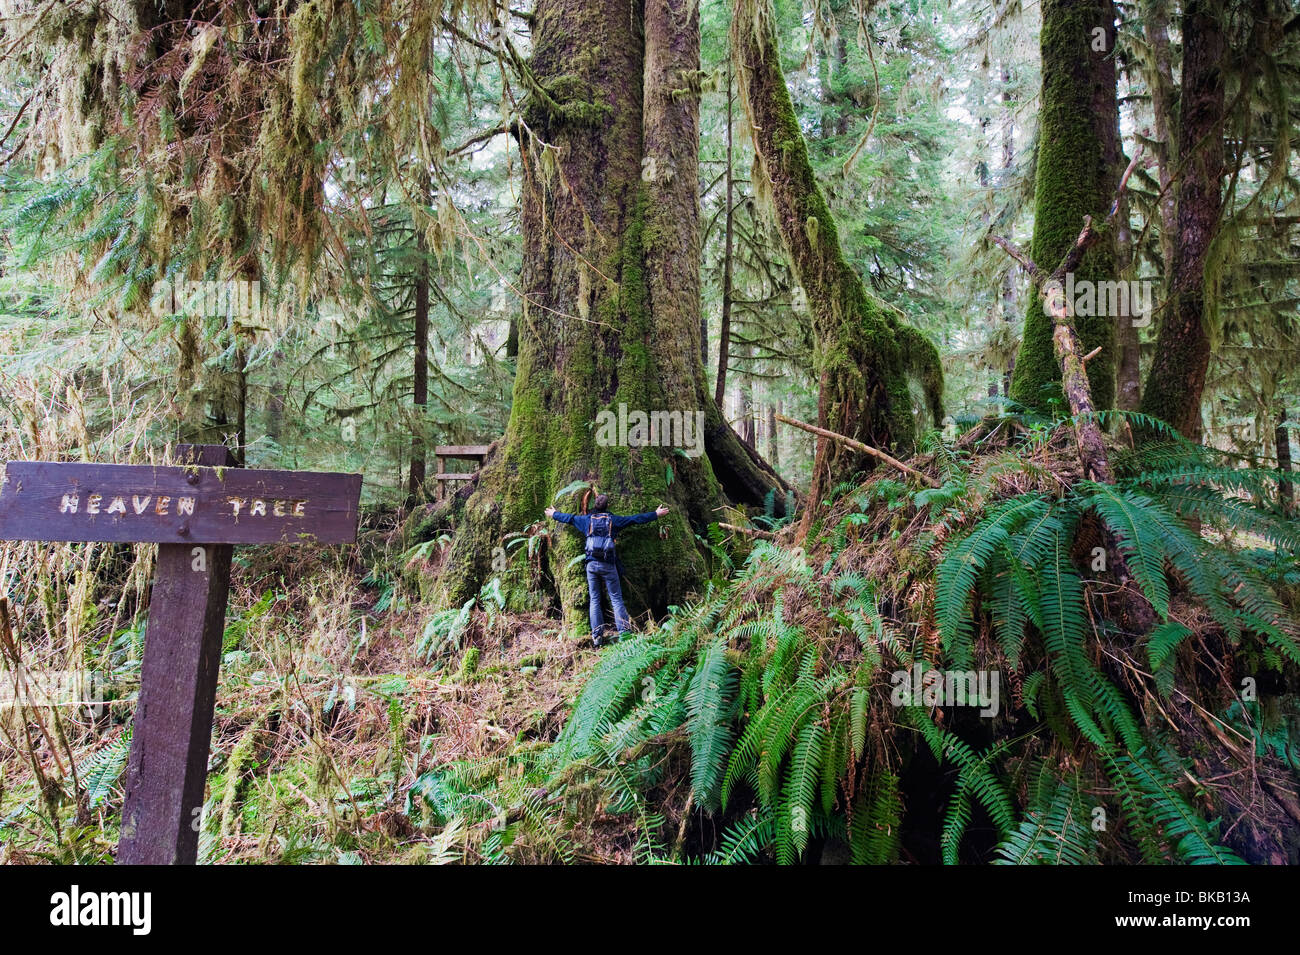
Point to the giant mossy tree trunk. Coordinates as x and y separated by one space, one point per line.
1076 172
611 310
1182 356
877 376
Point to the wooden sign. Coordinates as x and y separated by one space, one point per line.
196 513
169 505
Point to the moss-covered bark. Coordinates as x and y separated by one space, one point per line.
869 363
1182 356
611 309
1077 169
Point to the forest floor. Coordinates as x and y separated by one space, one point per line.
327 715
319 738
345 697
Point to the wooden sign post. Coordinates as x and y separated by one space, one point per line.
195 512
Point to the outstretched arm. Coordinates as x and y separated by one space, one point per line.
645 517
560 516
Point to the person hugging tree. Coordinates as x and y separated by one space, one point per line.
602 561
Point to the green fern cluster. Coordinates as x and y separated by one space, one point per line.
774 729
768 697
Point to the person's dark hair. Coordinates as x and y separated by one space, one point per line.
601 503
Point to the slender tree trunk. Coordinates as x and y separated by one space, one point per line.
864 356
1182 355
773 436
986 219
1282 436
746 405
241 404
419 451
1128 372
1008 163
1077 171
276 398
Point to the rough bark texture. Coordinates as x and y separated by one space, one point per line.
1076 172
869 363
1008 308
1282 436
1067 347
1128 342
773 437
1159 75
724 332
420 365
611 314
670 176
1182 356
1078 394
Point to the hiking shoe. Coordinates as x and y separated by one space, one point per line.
596 640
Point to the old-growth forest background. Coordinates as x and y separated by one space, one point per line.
478 223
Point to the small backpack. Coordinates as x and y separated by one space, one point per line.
600 537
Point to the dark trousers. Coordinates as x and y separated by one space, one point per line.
599 572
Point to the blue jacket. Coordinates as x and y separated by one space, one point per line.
620 521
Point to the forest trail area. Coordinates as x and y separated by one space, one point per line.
666 432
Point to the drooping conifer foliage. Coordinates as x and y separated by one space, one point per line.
825 265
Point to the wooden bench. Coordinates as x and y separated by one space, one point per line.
456 452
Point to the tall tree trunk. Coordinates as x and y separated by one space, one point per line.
746 404
865 357
724 335
773 436
419 452
1077 171
1159 75
1008 164
610 278
276 397
1182 355
986 218
241 403
1128 371
1282 436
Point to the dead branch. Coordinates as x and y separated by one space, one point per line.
1065 339
859 446
751 531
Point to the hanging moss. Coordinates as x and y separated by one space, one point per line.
863 353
